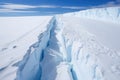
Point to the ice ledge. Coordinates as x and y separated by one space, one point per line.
110 14
29 67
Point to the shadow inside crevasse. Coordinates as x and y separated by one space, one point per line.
51 56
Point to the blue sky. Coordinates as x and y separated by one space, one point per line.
45 7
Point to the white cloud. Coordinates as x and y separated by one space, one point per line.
16 6
22 6
10 7
47 6
10 10
73 7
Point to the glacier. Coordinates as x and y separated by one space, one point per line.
111 14
73 46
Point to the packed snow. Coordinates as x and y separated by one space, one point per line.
74 46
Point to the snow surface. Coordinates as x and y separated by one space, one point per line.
63 47
16 27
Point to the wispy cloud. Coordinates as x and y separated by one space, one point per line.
10 7
11 10
72 7
15 6
22 6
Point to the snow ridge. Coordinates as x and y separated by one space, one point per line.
111 14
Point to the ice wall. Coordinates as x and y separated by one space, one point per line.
30 67
104 14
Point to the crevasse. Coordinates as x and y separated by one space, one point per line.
29 67
64 52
